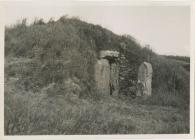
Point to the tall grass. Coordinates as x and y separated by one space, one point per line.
67 114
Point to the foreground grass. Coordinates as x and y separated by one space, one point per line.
45 114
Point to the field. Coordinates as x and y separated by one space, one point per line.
50 89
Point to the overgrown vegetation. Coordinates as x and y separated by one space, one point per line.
181 58
49 83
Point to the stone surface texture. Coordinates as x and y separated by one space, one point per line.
114 78
102 76
144 86
107 73
107 54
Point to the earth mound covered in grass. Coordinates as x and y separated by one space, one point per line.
50 88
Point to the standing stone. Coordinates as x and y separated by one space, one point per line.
102 76
114 76
107 73
144 86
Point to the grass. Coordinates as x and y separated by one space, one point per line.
43 114
50 89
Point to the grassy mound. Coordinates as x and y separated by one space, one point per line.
50 89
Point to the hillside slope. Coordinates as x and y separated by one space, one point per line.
49 83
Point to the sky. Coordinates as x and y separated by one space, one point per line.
165 28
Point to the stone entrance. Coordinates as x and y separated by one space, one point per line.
107 73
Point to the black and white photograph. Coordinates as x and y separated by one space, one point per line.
96 68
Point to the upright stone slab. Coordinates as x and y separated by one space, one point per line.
144 86
102 76
107 73
114 76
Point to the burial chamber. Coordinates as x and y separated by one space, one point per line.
107 73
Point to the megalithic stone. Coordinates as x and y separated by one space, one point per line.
102 76
114 76
107 73
144 79
109 54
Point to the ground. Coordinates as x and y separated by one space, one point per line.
45 114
